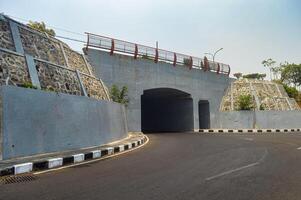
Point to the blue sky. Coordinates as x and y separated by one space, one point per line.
249 31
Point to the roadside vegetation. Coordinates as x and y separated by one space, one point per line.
119 95
41 26
286 74
245 102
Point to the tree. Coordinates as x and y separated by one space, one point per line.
245 102
292 92
119 96
238 75
291 74
40 26
270 64
255 76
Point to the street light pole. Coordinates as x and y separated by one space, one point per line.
213 55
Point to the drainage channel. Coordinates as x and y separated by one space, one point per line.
17 179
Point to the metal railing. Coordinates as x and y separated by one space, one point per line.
137 50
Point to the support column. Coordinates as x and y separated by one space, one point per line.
231 97
16 36
28 58
81 83
255 96
288 102
106 92
86 63
32 71
64 55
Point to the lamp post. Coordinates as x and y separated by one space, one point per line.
214 54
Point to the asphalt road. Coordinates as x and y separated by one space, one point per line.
181 166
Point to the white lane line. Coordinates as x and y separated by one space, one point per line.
299 148
231 171
249 139
240 168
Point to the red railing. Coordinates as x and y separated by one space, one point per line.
137 50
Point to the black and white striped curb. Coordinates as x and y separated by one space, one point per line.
249 130
70 159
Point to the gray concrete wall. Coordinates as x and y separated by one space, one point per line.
259 119
142 74
35 121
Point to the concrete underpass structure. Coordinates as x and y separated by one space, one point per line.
164 96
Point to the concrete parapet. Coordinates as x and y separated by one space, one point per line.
259 120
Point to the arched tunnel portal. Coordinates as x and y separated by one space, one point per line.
166 110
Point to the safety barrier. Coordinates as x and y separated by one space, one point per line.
137 50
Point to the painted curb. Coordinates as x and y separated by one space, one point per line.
249 130
68 160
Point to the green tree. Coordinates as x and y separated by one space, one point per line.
270 64
238 75
255 76
41 26
291 91
291 74
119 95
245 102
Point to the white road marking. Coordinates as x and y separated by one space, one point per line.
240 168
249 139
231 171
299 148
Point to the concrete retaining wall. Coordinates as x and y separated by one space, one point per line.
259 119
143 74
35 122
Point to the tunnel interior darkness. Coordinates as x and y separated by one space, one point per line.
204 114
166 110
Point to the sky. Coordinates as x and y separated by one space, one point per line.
248 31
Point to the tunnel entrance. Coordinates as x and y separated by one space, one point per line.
166 110
204 114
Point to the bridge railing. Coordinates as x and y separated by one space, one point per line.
157 55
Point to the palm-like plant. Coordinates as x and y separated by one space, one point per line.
270 64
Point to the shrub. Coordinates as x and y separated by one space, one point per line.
262 106
146 57
245 102
41 26
119 96
28 85
187 61
291 91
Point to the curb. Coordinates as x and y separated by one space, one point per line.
70 159
249 130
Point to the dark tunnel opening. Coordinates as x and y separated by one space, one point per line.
204 114
166 110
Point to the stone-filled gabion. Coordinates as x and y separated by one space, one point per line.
13 67
41 47
57 79
271 96
75 60
6 39
55 61
93 87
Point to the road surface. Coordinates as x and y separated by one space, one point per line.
181 166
